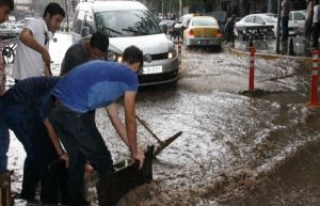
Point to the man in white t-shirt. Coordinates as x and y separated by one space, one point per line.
33 57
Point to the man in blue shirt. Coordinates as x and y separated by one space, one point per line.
23 109
89 86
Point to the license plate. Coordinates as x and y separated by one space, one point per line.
152 70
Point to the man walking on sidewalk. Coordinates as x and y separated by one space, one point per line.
316 25
285 10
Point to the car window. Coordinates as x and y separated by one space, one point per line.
269 19
204 22
249 19
259 20
290 16
299 16
127 23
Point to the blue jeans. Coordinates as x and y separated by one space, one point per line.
4 145
83 142
29 129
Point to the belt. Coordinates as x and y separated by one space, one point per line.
56 101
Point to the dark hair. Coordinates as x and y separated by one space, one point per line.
100 41
54 9
9 3
132 54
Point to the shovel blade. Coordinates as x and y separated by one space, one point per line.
166 143
113 187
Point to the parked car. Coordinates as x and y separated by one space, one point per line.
181 25
203 31
9 30
167 25
261 20
65 27
297 21
129 23
221 17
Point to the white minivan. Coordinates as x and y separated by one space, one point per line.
129 23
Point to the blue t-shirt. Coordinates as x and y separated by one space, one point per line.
95 84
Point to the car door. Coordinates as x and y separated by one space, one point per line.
297 19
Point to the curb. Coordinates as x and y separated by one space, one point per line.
269 56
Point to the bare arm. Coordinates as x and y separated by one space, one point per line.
131 126
55 141
26 37
117 123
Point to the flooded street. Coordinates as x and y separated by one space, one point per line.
237 148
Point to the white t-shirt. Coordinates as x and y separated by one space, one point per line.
29 62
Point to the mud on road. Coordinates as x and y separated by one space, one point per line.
236 148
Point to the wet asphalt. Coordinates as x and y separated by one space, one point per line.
237 147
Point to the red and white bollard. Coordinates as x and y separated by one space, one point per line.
314 80
251 71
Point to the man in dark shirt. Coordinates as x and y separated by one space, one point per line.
23 108
88 49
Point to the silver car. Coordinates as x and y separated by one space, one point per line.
130 23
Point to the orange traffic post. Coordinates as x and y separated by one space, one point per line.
252 50
314 80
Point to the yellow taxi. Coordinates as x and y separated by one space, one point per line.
202 31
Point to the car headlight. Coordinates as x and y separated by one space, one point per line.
112 56
172 53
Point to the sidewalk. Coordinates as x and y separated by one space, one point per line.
295 48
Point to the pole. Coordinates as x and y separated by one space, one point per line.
278 27
67 15
252 50
180 8
314 80
162 9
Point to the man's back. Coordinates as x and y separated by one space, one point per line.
75 55
30 90
95 84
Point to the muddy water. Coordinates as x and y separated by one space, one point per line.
235 149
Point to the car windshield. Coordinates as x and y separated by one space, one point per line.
203 22
220 16
127 23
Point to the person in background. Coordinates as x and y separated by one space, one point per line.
89 49
229 29
6 6
102 83
285 10
316 25
309 18
23 108
32 55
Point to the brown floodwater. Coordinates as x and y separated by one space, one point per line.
237 147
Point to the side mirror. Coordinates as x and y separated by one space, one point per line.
85 31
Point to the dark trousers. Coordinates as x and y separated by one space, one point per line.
285 28
30 131
83 142
315 34
308 29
